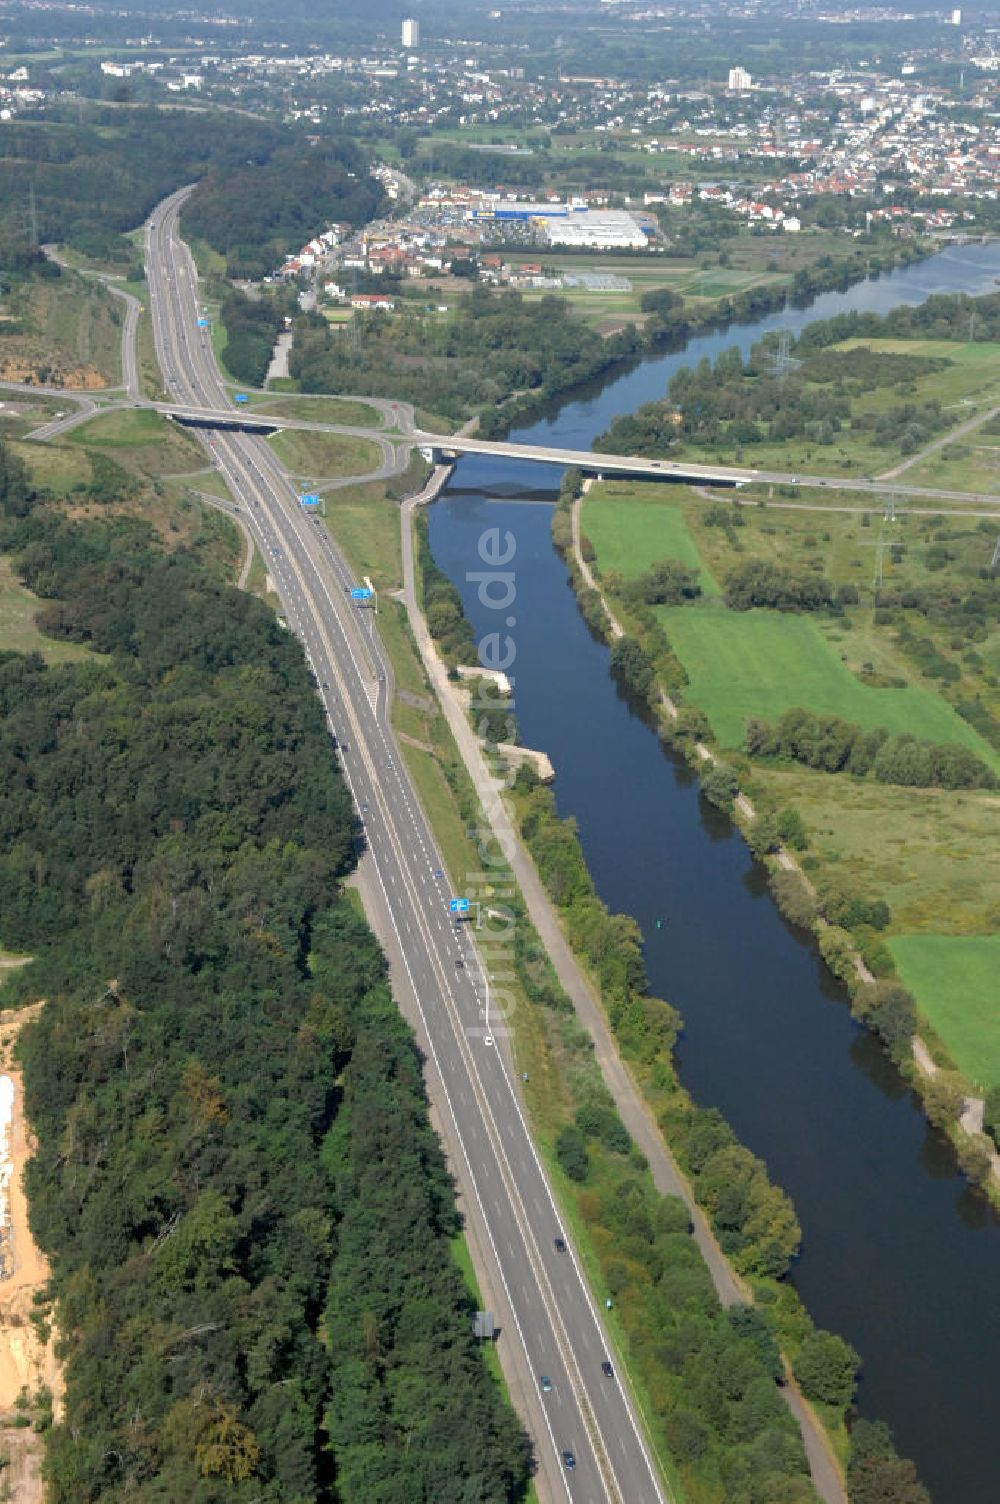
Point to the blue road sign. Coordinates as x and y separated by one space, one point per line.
361 593
203 323
458 906
310 499
242 397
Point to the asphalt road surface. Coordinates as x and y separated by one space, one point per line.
550 1321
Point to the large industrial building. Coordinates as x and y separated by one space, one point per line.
572 224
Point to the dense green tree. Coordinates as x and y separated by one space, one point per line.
231 1125
875 1473
719 783
571 1152
826 1367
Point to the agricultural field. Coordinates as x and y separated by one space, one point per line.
646 273
762 663
753 261
945 552
969 384
933 855
847 546
631 527
954 980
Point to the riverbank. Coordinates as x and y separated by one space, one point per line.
953 1106
767 1034
633 1105
554 1058
674 329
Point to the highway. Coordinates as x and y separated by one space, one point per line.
550 1322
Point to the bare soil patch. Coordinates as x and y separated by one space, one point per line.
27 1356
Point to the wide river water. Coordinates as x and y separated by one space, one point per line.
896 1255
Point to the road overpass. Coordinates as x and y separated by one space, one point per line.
443 447
439 446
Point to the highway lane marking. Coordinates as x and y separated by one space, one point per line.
530 1246
237 449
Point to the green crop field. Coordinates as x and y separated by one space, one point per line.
631 527
762 663
954 980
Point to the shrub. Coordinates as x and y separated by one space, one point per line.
758 582
975 1161
631 662
890 1011
837 950
943 1099
718 784
792 828
991 1115
826 1367
666 583
571 1151
763 836
793 897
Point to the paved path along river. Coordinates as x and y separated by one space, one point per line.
897 1256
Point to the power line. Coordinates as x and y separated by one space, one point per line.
781 362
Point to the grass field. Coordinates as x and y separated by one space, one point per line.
324 456
147 442
346 410
18 633
762 663
57 468
631 526
954 980
933 855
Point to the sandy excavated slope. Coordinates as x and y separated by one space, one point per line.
24 1361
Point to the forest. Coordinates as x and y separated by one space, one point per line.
246 1210
95 179
264 189
491 345
255 212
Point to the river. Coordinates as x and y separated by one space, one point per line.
897 1256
